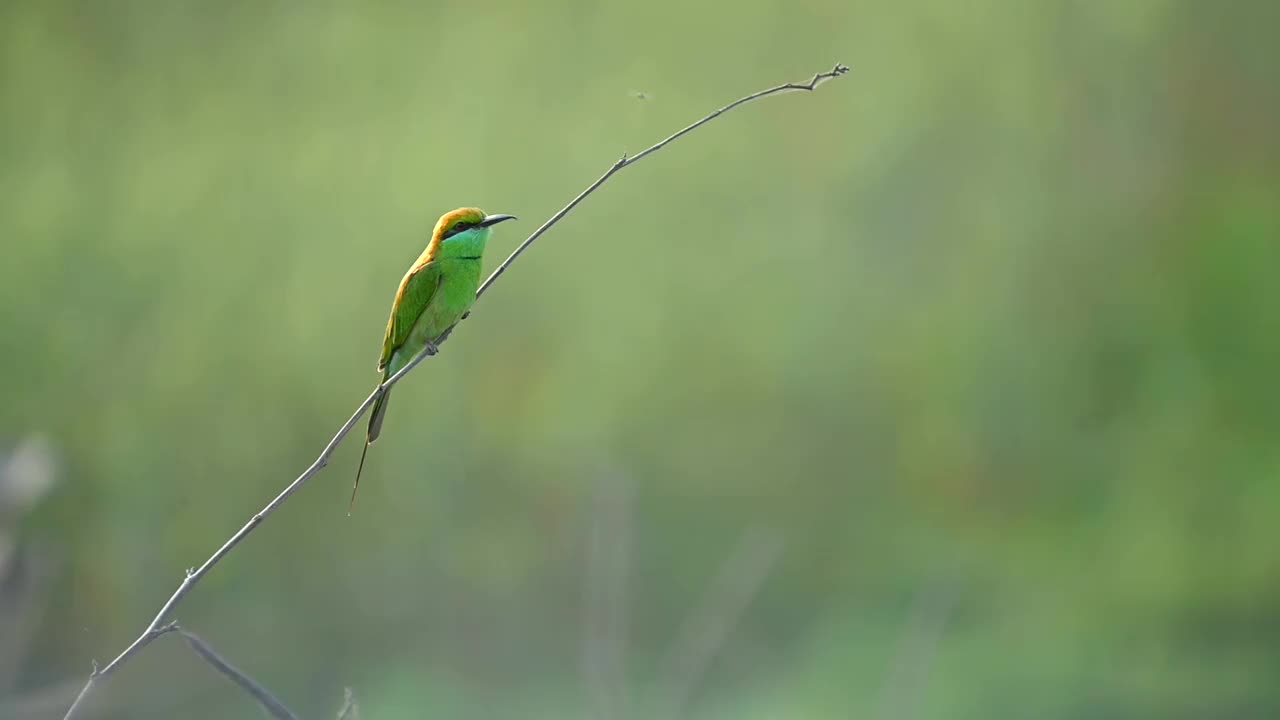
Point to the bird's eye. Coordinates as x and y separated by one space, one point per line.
461 227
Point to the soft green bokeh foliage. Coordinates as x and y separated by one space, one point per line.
993 318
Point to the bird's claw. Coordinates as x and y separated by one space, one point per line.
432 349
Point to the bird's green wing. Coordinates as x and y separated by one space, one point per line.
417 289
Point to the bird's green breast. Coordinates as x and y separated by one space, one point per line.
457 292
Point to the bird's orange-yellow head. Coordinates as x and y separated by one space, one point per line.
464 219
456 221
465 230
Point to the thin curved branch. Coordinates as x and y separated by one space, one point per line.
624 161
193 576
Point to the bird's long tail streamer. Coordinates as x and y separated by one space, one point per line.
351 506
375 429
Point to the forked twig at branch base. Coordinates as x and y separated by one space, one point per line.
264 698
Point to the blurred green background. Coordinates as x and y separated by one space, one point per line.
947 391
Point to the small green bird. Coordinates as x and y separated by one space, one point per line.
436 292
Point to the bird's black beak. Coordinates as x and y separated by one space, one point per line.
495 219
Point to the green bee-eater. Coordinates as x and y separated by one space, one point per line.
436 292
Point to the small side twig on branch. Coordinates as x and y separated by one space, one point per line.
269 703
194 575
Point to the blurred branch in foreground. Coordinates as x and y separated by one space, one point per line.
193 576
350 709
605 612
709 625
909 674
28 473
